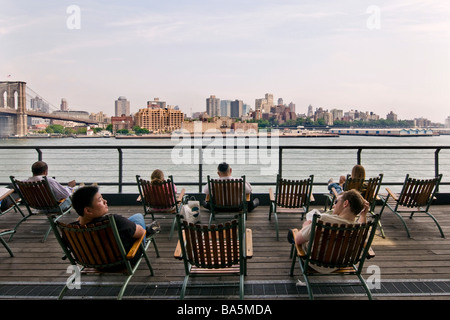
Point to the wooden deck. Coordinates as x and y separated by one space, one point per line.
425 257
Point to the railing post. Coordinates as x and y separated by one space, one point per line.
436 165
200 168
39 151
358 156
280 160
120 169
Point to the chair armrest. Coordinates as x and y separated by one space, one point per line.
298 247
392 194
135 247
271 195
178 254
249 243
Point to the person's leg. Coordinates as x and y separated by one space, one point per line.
138 218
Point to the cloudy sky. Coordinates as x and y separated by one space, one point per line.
373 55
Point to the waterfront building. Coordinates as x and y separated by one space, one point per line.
447 122
213 106
122 122
157 119
122 106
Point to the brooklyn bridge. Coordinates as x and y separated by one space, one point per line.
16 106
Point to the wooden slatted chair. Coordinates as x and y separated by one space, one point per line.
291 196
160 197
215 250
340 249
38 196
227 195
416 197
98 249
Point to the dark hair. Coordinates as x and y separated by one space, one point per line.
223 167
83 198
38 168
355 200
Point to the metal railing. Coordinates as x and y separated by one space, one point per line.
116 166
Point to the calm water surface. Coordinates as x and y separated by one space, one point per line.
101 165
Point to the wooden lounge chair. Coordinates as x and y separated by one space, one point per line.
97 249
227 195
38 196
215 250
160 198
342 249
416 197
291 196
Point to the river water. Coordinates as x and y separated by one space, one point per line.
259 165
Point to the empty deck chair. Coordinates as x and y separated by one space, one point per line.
416 197
38 196
220 250
97 248
160 197
291 196
342 249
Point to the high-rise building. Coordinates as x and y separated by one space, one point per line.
213 106
236 109
122 107
310 111
225 107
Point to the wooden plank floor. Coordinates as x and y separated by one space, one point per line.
424 257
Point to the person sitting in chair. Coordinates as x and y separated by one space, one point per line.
347 206
88 202
39 170
224 171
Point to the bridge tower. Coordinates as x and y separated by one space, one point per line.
13 93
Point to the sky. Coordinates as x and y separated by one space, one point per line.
378 56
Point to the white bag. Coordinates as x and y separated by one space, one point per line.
191 211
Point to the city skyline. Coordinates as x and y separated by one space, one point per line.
384 56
